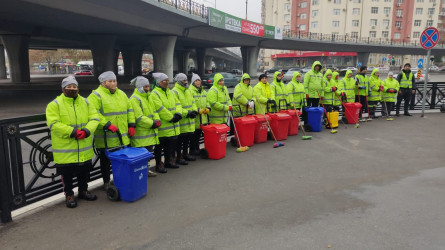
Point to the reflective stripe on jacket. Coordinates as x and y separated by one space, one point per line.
166 105
187 125
144 114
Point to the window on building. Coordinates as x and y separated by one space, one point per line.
315 2
398 23
420 1
430 11
417 22
387 1
337 1
303 4
314 25
287 6
303 16
385 34
385 22
372 34
314 13
416 34
373 22
356 11
303 27
399 1
335 23
287 17
429 23
374 10
354 34
286 28
432 1
397 35
357 1
336 12
387 10
419 11
399 13
375 0
355 23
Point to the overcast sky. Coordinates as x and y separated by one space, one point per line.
237 8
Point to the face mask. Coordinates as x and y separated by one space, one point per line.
71 93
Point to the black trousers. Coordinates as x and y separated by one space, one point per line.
362 101
69 171
168 145
194 143
406 97
105 165
183 144
372 107
311 102
389 106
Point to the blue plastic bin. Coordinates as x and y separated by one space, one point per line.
130 169
315 118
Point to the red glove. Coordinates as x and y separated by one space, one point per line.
381 88
334 89
131 131
343 93
113 128
307 96
156 124
230 108
80 135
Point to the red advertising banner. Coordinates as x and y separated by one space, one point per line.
250 28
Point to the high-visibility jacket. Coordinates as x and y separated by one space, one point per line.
374 87
200 97
263 93
406 82
166 105
296 92
64 116
185 97
219 101
242 94
281 94
362 81
330 97
112 109
390 84
349 87
313 81
144 113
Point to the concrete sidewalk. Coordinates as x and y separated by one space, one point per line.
379 186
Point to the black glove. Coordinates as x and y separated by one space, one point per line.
270 101
156 124
176 118
189 114
194 114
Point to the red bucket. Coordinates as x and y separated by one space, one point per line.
352 111
293 122
261 128
215 140
280 125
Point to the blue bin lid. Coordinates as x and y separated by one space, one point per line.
315 109
130 153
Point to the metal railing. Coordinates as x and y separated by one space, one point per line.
188 6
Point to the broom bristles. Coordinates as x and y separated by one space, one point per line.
278 144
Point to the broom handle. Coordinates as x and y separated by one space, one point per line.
325 112
299 121
268 124
386 108
234 126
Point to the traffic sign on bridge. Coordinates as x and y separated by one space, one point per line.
429 38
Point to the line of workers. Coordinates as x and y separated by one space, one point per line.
168 120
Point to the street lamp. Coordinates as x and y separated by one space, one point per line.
246 9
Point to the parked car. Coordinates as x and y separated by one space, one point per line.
331 67
353 69
434 68
272 70
306 69
288 76
84 73
236 72
230 80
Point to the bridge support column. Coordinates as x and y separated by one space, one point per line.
200 57
208 63
163 48
183 58
132 61
219 64
116 59
18 55
250 59
2 63
362 57
102 48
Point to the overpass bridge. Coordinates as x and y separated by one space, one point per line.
171 30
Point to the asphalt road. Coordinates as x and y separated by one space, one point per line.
379 186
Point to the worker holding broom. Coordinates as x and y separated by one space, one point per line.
200 97
362 89
116 115
280 91
169 109
264 96
348 84
243 96
296 91
147 121
331 88
219 100
313 82
187 123
390 88
376 87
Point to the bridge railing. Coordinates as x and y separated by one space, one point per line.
188 6
27 172
352 39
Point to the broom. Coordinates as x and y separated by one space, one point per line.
386 108
304 137
277 144
343 104
333 131
361 110
241 148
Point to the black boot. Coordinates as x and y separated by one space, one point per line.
70 202
171 164
181 161
160 168
189 157
85 195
